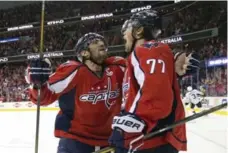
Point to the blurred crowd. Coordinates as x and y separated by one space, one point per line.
64 9
13 85
180 18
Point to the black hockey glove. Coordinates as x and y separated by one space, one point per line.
127 134
38 71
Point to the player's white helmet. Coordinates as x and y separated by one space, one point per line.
189 88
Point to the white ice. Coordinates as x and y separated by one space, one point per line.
17 133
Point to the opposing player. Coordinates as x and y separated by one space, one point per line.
89 94
194 98
150 90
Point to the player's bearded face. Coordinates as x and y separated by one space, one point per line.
98 51
128 40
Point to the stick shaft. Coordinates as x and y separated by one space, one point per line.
183 121
39 87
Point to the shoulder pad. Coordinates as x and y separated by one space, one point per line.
70 63
115 60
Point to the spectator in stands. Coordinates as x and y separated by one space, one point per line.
179 18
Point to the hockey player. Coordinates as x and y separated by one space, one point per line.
88 92
194 98
150 91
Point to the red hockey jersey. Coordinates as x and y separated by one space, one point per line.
151 91
87 103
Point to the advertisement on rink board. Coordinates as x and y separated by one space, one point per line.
207 102
17 105
30 104
26 106
2 105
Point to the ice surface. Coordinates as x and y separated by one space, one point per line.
17 133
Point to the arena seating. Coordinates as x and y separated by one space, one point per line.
178 19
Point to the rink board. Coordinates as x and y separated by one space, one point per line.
208 102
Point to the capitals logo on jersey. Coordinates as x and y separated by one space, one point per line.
102 94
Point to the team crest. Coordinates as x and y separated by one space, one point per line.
107 96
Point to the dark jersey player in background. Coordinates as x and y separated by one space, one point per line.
150 91
89 94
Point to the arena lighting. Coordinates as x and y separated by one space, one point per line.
217 62
8 40
4 60
177 1
172 40
46 55
134 10
77 19
55 22
203 34
99 16
20 27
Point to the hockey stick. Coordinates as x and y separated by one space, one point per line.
187 119
39 86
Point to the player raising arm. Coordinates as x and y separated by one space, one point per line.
89 94
150 91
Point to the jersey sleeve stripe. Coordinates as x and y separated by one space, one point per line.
122 68
140 77
61 85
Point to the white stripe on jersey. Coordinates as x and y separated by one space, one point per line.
140 77
60 86
122 68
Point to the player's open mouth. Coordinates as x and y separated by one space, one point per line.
101 49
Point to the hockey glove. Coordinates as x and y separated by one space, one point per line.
38 71
192 64
185 65
127 133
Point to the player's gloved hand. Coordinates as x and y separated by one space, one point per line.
185 65
127 133
192 63
38 71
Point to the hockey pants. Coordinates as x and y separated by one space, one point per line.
74 146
